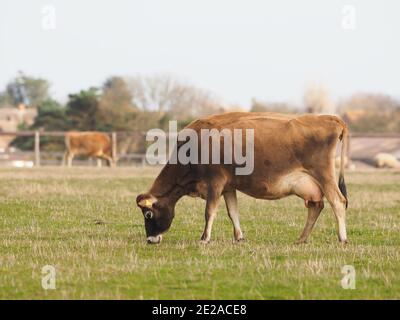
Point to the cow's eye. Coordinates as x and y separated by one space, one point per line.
156 205
148 214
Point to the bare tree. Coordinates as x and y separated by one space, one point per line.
151 93
317 100
166 94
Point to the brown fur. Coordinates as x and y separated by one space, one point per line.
293 155
91 144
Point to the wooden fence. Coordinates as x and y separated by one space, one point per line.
364 146
140 158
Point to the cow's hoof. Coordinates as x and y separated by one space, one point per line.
202 241
239 240
300 241
344 242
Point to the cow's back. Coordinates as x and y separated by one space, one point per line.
278 135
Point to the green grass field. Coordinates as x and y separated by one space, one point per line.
84 222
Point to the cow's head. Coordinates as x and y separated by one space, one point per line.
158 215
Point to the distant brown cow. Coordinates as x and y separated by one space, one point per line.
91 144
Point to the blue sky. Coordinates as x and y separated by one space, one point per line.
269 50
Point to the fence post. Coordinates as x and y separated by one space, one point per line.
37 148
114 147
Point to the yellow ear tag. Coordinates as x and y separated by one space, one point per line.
147 203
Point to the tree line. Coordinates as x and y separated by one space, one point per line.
144 102
119 104
363 112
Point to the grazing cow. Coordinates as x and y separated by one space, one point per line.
92 144
386 160
293 155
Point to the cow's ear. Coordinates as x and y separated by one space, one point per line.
145 201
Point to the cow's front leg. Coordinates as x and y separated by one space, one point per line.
213 198
98 162
70 157
233 212
64 160
338 204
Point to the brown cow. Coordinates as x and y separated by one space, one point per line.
92 144
293 155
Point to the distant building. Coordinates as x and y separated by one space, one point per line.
11 118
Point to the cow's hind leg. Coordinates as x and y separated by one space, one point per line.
233 212
338 204
110 160
314 210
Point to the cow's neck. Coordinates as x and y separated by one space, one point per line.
171 182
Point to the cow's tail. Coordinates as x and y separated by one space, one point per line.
345 141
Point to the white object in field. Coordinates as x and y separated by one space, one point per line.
22 164
386 160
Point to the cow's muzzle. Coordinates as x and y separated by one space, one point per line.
154 240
